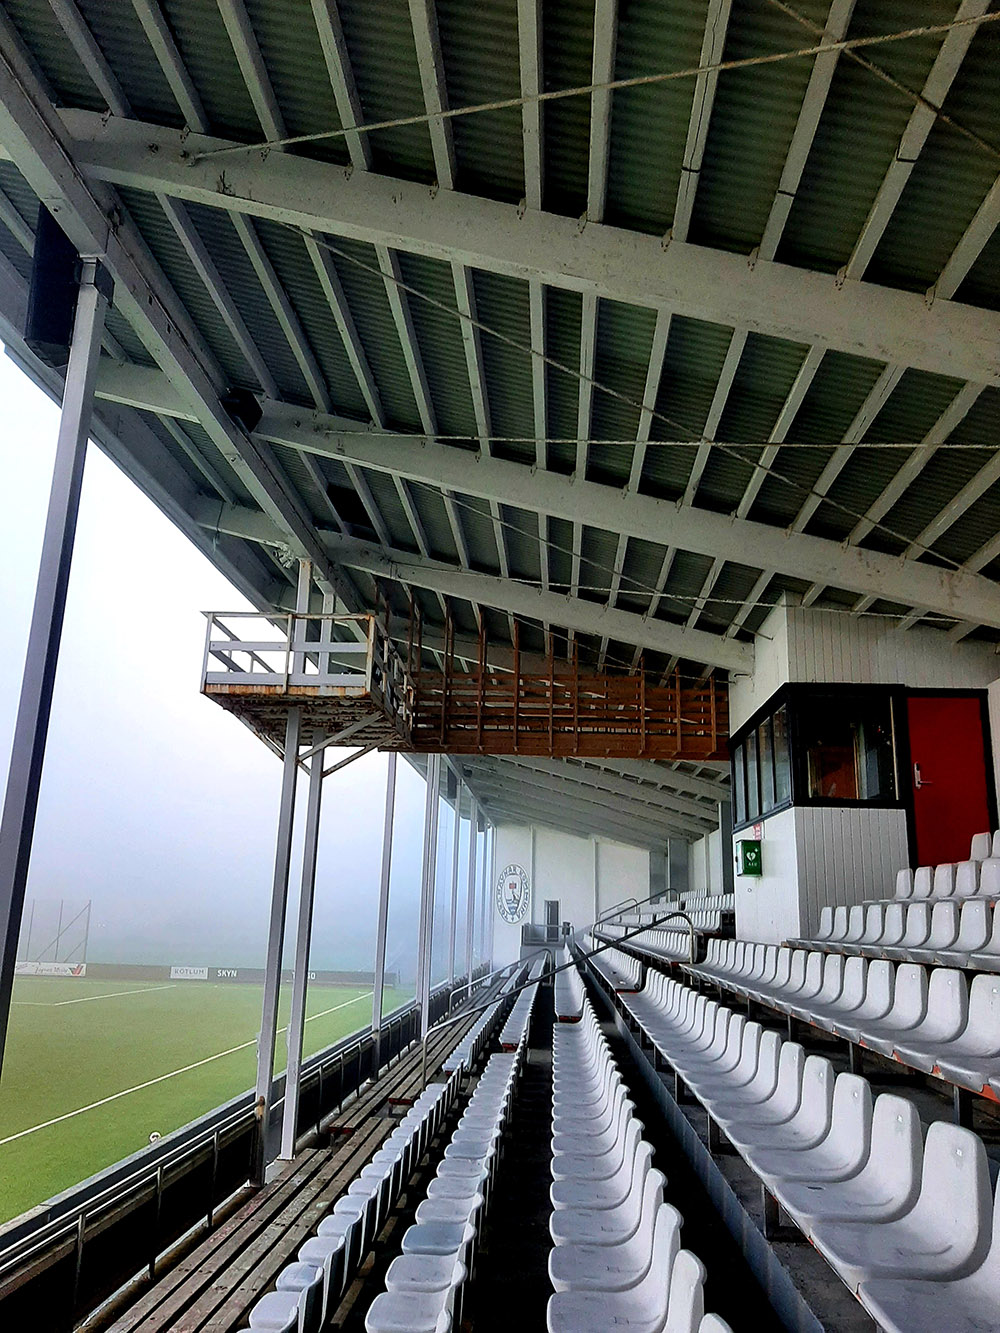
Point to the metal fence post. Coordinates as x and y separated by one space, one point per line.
378 981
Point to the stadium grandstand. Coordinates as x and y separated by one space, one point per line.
597 403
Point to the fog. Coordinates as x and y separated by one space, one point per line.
155 804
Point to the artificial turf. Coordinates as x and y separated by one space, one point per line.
62 1056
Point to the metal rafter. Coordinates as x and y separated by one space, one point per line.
607 508
326 16
602 71
665 775
712 46
32 133
517 599
971 245
860 318
525 808
611 787
554 793
922 120
818 88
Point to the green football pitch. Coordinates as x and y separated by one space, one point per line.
93 1068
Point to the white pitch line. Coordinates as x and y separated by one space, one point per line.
85 999
162 1078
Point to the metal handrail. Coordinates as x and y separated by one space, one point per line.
546 976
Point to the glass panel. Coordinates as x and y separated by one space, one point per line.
848 750
782 760
766 766
739 784
753 789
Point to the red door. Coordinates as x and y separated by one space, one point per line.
948 775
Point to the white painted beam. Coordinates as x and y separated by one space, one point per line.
516 599
859 318
326 16
970 247
602 71
712 46
639 794
922 120
529 46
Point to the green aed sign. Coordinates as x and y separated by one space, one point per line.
748 857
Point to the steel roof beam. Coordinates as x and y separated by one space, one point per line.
688 528
610 786
338 67
667 775
602 71
837 22
970 247
593 818
712 46
860 318
508 771
922 120
500 810
506 595
684 527
32 133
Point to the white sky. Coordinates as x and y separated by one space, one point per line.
155 803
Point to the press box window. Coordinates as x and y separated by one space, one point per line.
847 749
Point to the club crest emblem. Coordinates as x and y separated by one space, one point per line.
512 895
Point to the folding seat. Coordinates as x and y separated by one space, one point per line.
825 928
582 1225
610 1191
812 984
593 1266
967 1304
981 846
893 930
945 1021
974 926
409 1312
724 1053
326 1254
967 879
923 882
918 927
987 959
904 884
973 1058
843 990
595 1136
296 1304
989 877
943 884
909 1006
643 1308
885 1188
942 934
945 1234
840 1154
874 927
849 1019
765 1101
855 926
840 924
995 849
808 1125
758 1060
803 1006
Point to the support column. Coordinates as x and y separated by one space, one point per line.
267 1040
726 832
453 914
383 908
491 914
17 824
427 880
678 866
303 939
484 881
470 909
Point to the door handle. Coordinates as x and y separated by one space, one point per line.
919 781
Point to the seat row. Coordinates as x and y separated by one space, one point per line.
424 1284
670 946
568 993
963 879
616 1257
308 1290
514 1030
467 1052
956 934
908 1222
935 1022
619 970
706 921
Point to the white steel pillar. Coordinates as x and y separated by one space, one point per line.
453 912
267 1040
303 939
383 907
427 882
20 807
470 899
484 956
491 914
